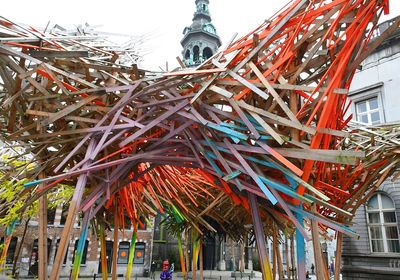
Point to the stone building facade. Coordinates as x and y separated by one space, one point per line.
219 251
376 100
27 264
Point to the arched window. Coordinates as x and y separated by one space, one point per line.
34 259
196 54
64 214
187 54
207 53
66 253
11 249
51 216
109 256
382 224
84 253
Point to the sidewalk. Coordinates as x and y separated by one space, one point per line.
217 275
211 275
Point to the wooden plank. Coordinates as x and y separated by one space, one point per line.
276 117
114 272
154 122
68 227
251 173
243 117
267 128
260 237
281 23
285 86
68 110
320 265
338 256
43 257
58 54
272 91
27 57
193 72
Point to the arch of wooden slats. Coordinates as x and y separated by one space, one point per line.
261 124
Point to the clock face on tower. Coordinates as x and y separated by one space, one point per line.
202 8
209 28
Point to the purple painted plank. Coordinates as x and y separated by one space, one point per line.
244 118
171 134
154 123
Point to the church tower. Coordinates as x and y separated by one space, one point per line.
200 40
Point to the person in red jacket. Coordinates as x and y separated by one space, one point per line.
166 273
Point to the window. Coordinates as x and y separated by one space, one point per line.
140 248
382 224
84 254
284 252
123 252
34 259
142 225
127 223
187 54
11 249
109 256
159 229
79 219
66 253
207 53
64 214
196 54
368 111
51 216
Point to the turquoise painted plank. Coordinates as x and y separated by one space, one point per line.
243 127
33 183
266 191
10 228
228 131
235 139
266 137
209 155
331 224
300 250
232 175
284 189
253 159
291 181
234 126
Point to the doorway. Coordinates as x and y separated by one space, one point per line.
34 258
209 252
109 253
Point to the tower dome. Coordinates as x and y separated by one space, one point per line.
200 40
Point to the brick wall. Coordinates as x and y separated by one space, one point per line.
93 252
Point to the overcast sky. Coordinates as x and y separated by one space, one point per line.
163 19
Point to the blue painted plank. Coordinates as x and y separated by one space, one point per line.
229 132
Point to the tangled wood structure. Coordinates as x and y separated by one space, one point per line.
257 134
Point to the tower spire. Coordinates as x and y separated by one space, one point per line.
200 40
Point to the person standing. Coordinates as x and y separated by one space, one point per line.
332 268
166 273
153 267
